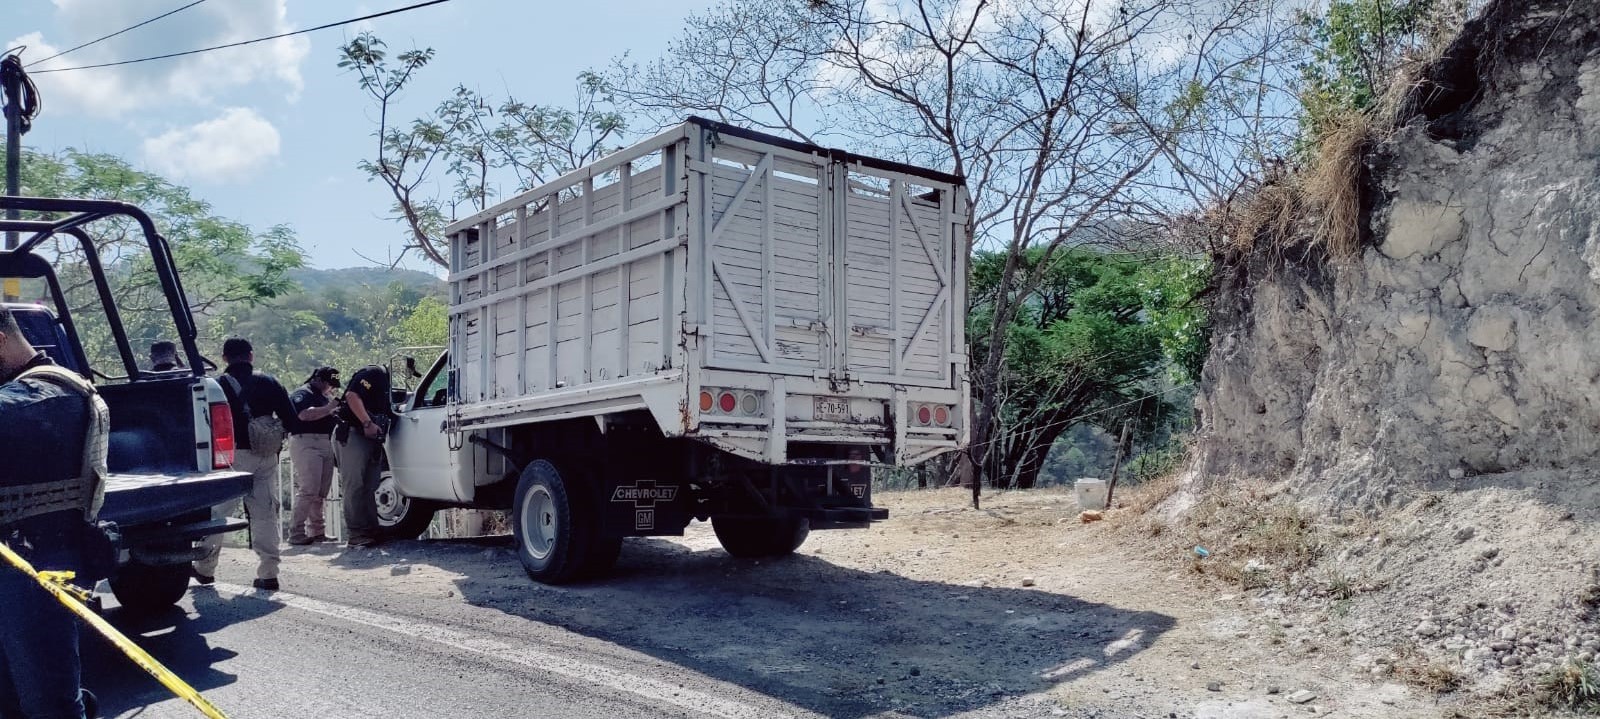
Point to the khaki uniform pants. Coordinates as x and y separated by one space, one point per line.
260 506
311 455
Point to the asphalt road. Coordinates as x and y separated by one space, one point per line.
353 653
679 629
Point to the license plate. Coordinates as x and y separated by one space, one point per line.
831 409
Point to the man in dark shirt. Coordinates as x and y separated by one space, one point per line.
61 426
164 356
257 395
359 444
311 454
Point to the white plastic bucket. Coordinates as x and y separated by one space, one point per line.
1091 493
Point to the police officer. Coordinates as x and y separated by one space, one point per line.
366 417
311 454
47 500
251 395
164 356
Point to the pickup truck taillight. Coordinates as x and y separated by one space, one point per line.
221 435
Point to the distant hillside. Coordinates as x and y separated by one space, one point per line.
313 281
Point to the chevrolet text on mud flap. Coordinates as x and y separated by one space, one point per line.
644 496
748 321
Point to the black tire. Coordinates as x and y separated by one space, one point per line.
399 516
755 537
146 589
553 523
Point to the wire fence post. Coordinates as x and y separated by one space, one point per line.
1116 464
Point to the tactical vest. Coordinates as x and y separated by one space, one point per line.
85 492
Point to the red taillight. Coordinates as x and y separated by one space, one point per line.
728 402
221 436
941 416
924 415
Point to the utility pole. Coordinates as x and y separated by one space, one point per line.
11 77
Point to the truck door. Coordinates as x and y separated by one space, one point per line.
893 289
420 459
767 268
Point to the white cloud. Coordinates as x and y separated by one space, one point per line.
224 148
112 91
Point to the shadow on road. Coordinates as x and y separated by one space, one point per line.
176 638
834 640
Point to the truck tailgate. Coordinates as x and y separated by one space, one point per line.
135 499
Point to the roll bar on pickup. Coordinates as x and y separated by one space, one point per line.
71 217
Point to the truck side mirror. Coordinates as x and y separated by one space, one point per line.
411 367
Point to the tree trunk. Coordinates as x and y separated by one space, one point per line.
1039 444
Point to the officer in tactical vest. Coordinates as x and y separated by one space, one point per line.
261 413
56 427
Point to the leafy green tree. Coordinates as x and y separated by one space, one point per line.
479 143
345 325
1357 47
222 263
426 325
1089 345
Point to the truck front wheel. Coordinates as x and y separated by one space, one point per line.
147 588
553 524
754 537
399 516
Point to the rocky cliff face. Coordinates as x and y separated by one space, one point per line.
1461 349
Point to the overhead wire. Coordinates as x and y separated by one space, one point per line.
278 36
119 32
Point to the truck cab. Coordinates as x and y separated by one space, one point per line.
171 444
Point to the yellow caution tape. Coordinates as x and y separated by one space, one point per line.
58 584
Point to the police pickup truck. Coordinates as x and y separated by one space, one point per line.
171 444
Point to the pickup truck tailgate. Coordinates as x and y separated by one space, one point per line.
134 499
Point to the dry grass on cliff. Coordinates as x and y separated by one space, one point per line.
1245 533
1318 203
1331 186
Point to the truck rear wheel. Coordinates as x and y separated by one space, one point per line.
553 524
399 516
754 537
146 588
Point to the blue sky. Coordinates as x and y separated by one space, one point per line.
271 133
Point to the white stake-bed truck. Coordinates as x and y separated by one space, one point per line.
711 324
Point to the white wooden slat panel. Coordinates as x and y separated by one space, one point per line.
895 289
768 249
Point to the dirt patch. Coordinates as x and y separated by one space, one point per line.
1015 610
1488 599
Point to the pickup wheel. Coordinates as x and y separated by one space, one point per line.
146 588
754 537
553 523
399 516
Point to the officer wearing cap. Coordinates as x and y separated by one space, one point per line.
253 396
50 492
311 454
365 415
164 356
